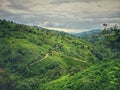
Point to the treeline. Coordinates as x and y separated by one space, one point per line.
112 36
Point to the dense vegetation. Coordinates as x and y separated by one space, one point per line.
103 76
33 58
112 36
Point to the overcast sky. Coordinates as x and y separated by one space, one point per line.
67 15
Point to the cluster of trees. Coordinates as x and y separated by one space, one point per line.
112 35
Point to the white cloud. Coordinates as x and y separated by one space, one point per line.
74 14
67 30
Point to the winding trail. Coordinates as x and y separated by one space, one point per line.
39 60
1 69
46 55
79 60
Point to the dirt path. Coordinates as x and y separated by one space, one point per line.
1 69
46 55
79 60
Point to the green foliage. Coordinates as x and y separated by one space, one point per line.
113 37
103 76
32 57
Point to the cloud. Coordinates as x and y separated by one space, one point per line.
67 30
68 14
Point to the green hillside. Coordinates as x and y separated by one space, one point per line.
32 57
103 76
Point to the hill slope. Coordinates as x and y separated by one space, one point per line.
103 76
31 56
39 54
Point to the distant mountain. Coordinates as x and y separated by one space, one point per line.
88 33
91 36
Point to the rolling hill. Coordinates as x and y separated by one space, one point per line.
88 33
91 36
32 57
